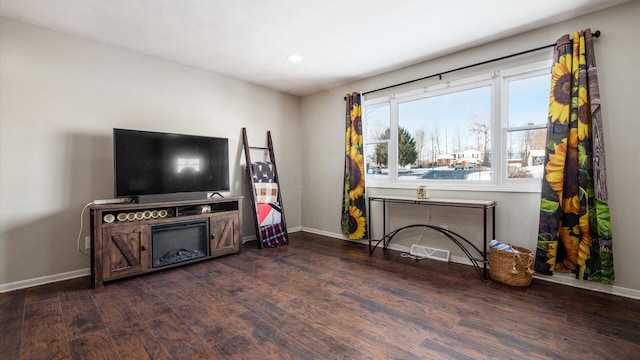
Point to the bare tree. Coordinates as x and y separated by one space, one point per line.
510 141
435 136
527 139
433 149
420 138
458 141
481 129
446 140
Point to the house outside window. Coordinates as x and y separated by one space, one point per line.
485 132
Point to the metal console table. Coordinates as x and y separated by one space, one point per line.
459 240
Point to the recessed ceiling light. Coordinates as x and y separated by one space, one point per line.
295 58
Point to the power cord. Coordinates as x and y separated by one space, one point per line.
81 228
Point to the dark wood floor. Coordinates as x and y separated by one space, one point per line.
317 298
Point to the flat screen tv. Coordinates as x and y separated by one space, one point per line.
151 164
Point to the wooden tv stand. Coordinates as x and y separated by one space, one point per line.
123 247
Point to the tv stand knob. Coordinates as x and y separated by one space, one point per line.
143 248
213 236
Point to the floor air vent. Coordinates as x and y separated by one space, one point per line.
424 252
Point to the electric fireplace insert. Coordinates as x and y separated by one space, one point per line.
175 243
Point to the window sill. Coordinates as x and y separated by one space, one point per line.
456 186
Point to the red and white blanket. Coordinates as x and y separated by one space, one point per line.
269 214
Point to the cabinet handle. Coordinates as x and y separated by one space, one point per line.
143 248
213 236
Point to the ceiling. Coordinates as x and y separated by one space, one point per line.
340 41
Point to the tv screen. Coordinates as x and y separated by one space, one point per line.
150 163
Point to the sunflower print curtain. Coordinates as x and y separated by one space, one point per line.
575 228
354 211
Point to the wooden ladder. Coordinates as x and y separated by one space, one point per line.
250 182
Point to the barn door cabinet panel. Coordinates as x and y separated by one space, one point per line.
122 235
224 233
125 250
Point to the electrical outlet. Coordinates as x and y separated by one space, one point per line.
87 242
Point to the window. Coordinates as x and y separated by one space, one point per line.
188 164
376 148
528 106
482 131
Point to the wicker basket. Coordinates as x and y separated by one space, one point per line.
511 268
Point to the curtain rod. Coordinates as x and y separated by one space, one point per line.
596 34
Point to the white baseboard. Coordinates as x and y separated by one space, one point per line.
559 278
249 238
44 280
22 284
570 280
326 233
253 237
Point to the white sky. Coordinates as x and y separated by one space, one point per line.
452 113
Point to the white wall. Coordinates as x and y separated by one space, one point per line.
60 97
517 213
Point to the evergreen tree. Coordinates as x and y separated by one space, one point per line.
407 152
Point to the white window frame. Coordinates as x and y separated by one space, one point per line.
380 102
498 80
